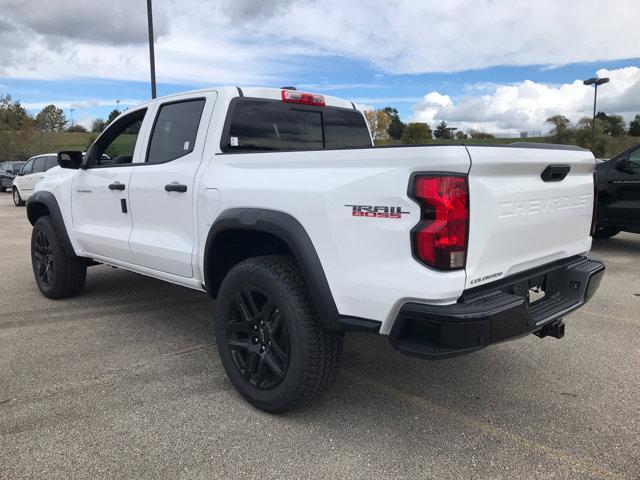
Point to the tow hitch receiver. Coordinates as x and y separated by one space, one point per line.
553 329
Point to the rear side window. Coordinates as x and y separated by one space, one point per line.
38 164
268 125
345 128
51 162
174 133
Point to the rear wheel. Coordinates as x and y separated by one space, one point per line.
270 340
57 274
17 199
606 232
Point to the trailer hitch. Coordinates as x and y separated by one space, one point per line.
553 329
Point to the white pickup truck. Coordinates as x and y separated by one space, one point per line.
274 202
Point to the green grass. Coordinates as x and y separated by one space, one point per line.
25 144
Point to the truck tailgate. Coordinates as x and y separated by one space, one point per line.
518 220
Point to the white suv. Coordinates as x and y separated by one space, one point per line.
32 172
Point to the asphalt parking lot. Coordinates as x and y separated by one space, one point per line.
124 382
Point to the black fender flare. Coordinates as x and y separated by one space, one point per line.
48 200
293 234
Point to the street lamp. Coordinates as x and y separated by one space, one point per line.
71 117
596 82
152 59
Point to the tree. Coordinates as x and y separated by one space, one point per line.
560 133
396 127
460 135
582 133
98 125
112 116
51 119
614 124
442 131
634 126
12 115
617 126
416 133
76 129
379 122
473 133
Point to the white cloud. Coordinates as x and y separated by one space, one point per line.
527 105
265 41
80 104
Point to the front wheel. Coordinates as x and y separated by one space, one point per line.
17 199
271 343
57 274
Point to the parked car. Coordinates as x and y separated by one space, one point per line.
30 174
618 193
276 203
12 166
8 171
6 179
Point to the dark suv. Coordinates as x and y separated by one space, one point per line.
8 170
618 188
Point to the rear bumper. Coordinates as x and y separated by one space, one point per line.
497 312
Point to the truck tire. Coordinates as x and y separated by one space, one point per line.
606 232
57 274
17 199
270 340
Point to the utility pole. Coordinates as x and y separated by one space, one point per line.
152 59
71 117
595 81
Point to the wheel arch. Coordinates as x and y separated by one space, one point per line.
44 203
281 233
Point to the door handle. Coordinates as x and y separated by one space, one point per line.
116 186
175 187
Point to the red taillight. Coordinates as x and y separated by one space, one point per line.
440 239
293 96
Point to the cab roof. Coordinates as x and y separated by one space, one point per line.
256 92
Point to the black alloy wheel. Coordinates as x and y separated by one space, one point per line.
258 338
43 258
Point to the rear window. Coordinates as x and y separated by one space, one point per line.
267 125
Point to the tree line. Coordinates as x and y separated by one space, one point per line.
23 135
386 125
611 133
14 117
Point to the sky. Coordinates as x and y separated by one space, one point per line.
494 65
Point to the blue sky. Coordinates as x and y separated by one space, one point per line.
473 64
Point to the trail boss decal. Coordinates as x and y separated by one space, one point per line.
376 211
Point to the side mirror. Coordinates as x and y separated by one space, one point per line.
70 159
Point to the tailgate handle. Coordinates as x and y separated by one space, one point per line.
555 173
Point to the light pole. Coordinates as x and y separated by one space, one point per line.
152 59
118 105
596 82
71 117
